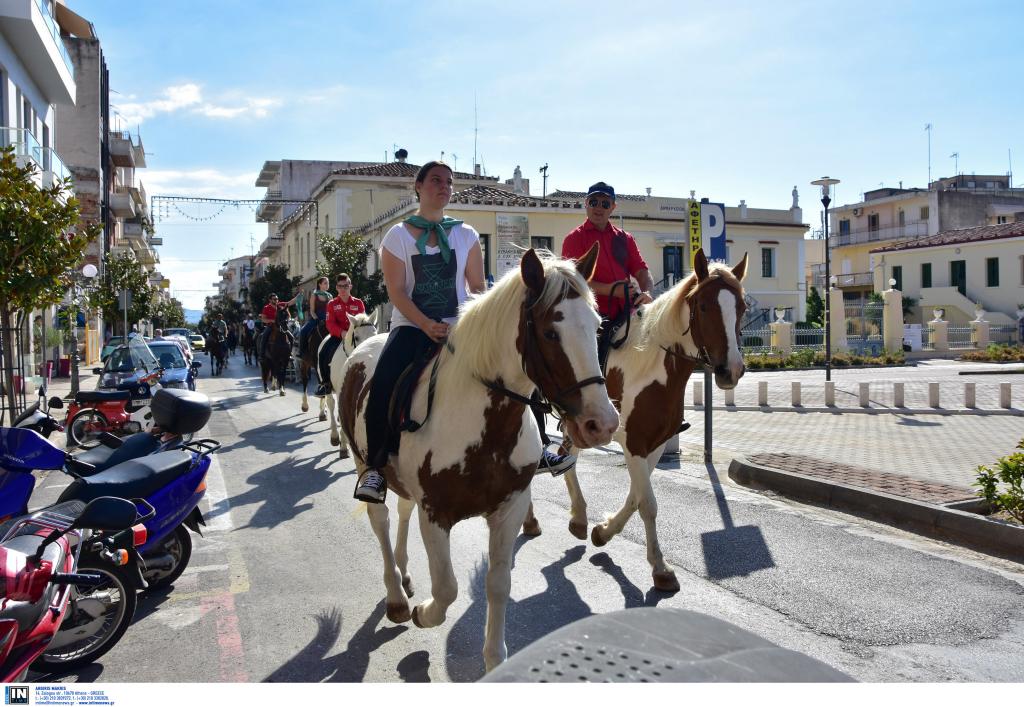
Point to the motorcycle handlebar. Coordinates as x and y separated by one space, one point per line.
87 579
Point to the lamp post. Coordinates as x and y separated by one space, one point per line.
88 272
826 183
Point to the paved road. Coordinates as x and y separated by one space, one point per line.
287 586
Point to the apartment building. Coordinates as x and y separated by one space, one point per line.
235 275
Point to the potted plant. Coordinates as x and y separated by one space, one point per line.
937 313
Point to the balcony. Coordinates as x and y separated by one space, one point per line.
914 229
134 233
35 37
26 148
121 204
854 279
121 152
139 195
268 210
139 153
156 241
54 169
272 244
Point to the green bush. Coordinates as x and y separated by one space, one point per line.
995 352
1008 498
808 358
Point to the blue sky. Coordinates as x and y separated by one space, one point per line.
736 100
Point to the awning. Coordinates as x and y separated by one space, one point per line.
73 23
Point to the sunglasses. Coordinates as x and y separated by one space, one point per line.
603 203
345 285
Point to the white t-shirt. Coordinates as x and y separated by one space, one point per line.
428 281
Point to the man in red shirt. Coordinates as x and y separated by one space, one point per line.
268 315
338 310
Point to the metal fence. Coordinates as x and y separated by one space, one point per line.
959 338
1007 334
809 339
756 341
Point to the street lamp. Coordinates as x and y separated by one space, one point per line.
826 183
88 272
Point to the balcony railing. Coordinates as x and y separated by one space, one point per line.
267 209
26 147
854 279
54 169
55 33
121 203
914 229
121 152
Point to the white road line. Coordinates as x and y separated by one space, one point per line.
218 517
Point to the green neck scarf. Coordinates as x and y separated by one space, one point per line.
442 228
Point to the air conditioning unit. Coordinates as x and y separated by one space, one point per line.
858 212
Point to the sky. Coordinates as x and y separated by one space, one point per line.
734 100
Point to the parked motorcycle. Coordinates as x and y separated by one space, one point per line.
37 415
125 410
63 607
171 481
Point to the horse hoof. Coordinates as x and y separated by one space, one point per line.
281 393
305 407
343 454
666 581
595 537
323 417
407 586
531 528
335 441
578 530
416 617
398 613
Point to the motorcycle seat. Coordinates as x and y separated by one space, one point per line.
101 396
134 446
24 612
135 478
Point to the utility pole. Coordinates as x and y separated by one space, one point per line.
928 128
956 164
544 190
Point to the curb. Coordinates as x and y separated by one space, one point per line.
939 522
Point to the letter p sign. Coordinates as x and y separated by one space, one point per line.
712 217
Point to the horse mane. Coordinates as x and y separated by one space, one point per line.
479 337
664 321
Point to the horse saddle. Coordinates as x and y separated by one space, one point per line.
400 405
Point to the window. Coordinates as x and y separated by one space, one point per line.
926 274
897 275
924 213
485 246
768 262
542 242
958 275
844 227
992 272
1000 219
872 222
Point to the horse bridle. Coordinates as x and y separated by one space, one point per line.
345 348
703 358
556 402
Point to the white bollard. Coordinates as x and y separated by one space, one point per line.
865 395
762 393
794 388
897 395
969 395
698 394
730 396
933 395
1004 395
830 394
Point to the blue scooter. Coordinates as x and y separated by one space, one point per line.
173 482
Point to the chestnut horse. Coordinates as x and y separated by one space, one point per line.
360 328
276 353
696 323
478 447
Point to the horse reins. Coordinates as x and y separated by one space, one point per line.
703 358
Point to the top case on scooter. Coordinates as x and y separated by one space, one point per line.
137 478
180 412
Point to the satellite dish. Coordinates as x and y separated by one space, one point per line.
401 154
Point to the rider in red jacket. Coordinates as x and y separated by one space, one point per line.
338 310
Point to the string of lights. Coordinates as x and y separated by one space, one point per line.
164 207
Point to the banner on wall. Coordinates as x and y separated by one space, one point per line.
513 240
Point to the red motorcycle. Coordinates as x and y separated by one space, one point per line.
57 614
122 411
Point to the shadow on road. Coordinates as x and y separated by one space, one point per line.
734 551
313 664
285 490
631 593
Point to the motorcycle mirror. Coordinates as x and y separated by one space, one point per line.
97 371
107 513
56 402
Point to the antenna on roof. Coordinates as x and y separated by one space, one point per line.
474 128
455 162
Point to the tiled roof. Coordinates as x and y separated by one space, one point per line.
581 195
402 169
481 194
961 235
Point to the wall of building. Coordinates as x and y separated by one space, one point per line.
964 209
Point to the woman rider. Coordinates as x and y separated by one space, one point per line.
317 311
431 263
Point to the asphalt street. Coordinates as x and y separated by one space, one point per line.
287 583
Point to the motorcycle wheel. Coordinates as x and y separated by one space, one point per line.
179 546
97 618
85 426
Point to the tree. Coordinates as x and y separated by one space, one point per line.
41 239
275 280
123 272
348 253
815 308
167 313
233 311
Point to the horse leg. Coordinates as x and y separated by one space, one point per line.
578 505
304 380
531 526
397 603
405 507
613 525
444 588
640 481
323 409
504 526
329 402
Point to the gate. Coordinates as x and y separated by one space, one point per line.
864 333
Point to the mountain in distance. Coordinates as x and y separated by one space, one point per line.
192 316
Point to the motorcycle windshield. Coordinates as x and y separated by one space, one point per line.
25 450
142 357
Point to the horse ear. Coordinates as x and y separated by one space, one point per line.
351 320
740 271
373 319
700 265
588 263
532 271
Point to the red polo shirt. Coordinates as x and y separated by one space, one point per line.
337 314
608 269
269 311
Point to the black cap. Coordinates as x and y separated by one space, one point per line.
602 188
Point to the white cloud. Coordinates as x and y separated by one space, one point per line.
201 182
189 97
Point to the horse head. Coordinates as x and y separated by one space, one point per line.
557 343
716 308
360 328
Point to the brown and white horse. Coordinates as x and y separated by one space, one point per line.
360 328
696 323
477 451
276 352
306 363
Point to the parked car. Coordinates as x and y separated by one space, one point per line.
177 332
111 344
198 342
126 363
178 373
